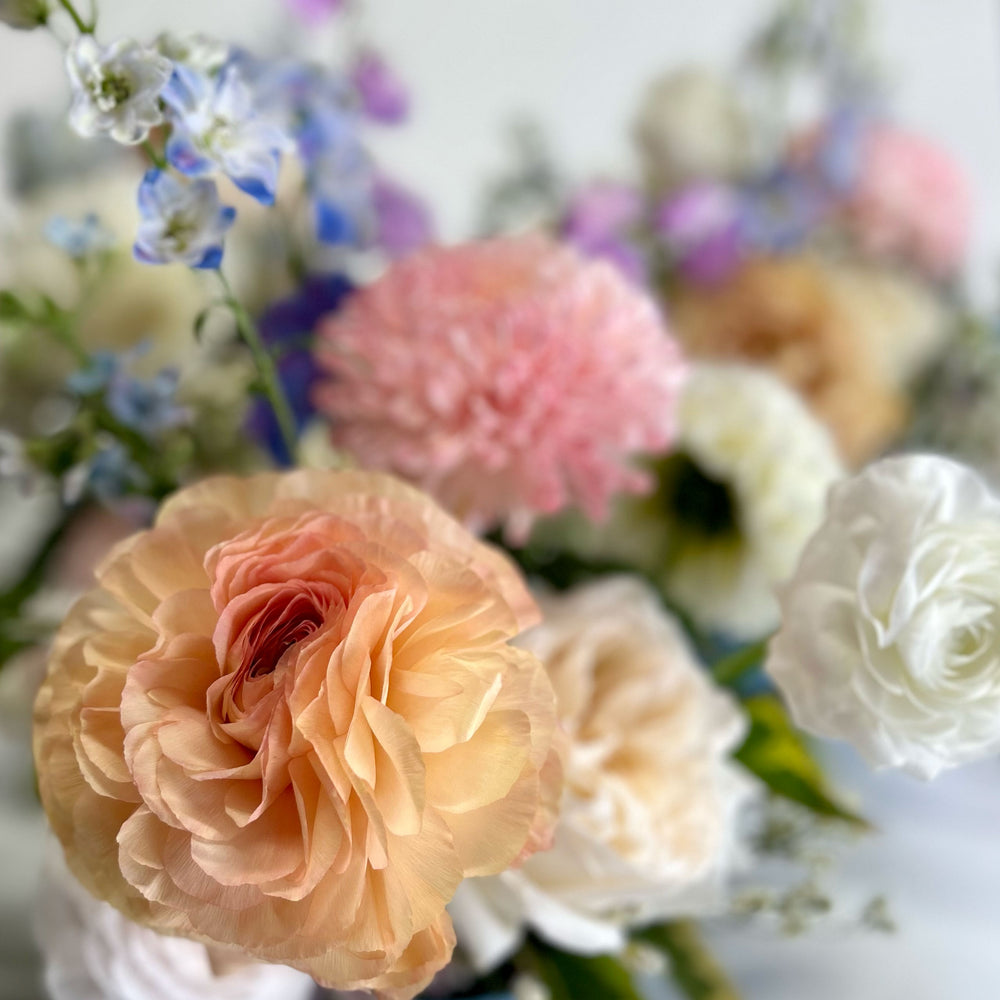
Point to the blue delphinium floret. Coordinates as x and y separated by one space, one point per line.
182 222
218 128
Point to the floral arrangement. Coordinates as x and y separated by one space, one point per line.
449 620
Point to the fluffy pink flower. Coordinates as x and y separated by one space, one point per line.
911 198
510 378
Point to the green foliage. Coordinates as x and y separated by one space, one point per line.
692 966
781 758
571 977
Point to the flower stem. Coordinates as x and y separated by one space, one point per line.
271 384
734 667
82 26
157 159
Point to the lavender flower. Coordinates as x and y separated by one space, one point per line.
598 222
384 97
24 14
700 226
402 221
315 11
182 222
217 127
80 238
116 88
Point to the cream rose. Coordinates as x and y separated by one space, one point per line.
648 823
691 126
288 720
93 952
891 623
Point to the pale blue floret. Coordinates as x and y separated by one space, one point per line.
217 128
183 222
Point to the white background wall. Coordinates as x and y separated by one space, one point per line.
578 66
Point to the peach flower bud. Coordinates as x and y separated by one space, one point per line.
288 720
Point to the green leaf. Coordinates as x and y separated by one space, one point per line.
781 758
12 309
692 966
732 668
571 977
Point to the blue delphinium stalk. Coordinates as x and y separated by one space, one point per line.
287 330
183 222
217 128
318 110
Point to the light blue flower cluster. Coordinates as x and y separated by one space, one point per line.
227 113
321 114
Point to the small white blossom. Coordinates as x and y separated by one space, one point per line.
24 14
890 635
201 53
116 88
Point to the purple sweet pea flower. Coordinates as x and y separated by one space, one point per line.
402 220
182 222
287 328
700 226
384 97
315 11
597 224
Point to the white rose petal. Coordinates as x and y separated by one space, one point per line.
648 827
93 952
891 624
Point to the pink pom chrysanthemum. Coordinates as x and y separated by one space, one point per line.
510 378
911 199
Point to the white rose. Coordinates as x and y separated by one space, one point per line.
691 125
648 822
891 624
92 952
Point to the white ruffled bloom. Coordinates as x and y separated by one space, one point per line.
691 126
93 952
648 825
753 437
116 88
198 52
24 14
890 634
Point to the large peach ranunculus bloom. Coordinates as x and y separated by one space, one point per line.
288 719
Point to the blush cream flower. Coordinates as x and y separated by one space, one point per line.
787 314
508 378
911 199
288 720
649 817
891 624
93 952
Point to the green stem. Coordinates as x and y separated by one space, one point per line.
157 159
264 363
734 667
692 966
82 26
